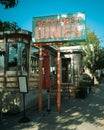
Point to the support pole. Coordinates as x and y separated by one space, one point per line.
58 79
40 79
48 109
24 119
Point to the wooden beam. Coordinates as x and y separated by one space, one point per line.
58 79
40 79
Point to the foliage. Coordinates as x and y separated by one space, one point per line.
72 43
85 77
100 61
9 3
94 59
7 26
92 51
82 89
93 54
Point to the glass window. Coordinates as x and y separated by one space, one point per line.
22 57
17 57
34 58
66 70
12 59
2 52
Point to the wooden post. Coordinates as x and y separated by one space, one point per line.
58 80
5 58
40 79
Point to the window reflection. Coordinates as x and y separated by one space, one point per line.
2 52
17 57
22 57
1 62
12 60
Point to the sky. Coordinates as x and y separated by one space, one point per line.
24 12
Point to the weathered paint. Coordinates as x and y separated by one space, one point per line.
64 27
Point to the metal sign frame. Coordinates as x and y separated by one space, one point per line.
23 85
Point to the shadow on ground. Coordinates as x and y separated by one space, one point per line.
74 112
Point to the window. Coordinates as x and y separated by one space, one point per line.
17 56
34 60
2 52
22 57
12 59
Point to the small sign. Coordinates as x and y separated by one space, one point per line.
23 86
55 28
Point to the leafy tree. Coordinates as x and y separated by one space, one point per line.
93 53
9 3
7 26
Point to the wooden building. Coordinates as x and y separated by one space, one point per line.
19 56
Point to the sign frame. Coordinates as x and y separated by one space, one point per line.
23 85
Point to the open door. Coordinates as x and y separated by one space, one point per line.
66 70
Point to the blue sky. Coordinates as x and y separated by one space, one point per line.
27 9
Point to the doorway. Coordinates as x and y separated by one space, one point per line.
66 70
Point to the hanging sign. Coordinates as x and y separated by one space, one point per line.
64 27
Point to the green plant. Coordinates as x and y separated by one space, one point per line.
81 91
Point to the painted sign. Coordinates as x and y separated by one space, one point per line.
64 27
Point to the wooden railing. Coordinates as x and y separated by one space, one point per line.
67 91
10 81
33 81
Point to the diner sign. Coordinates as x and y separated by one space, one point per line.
55 28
